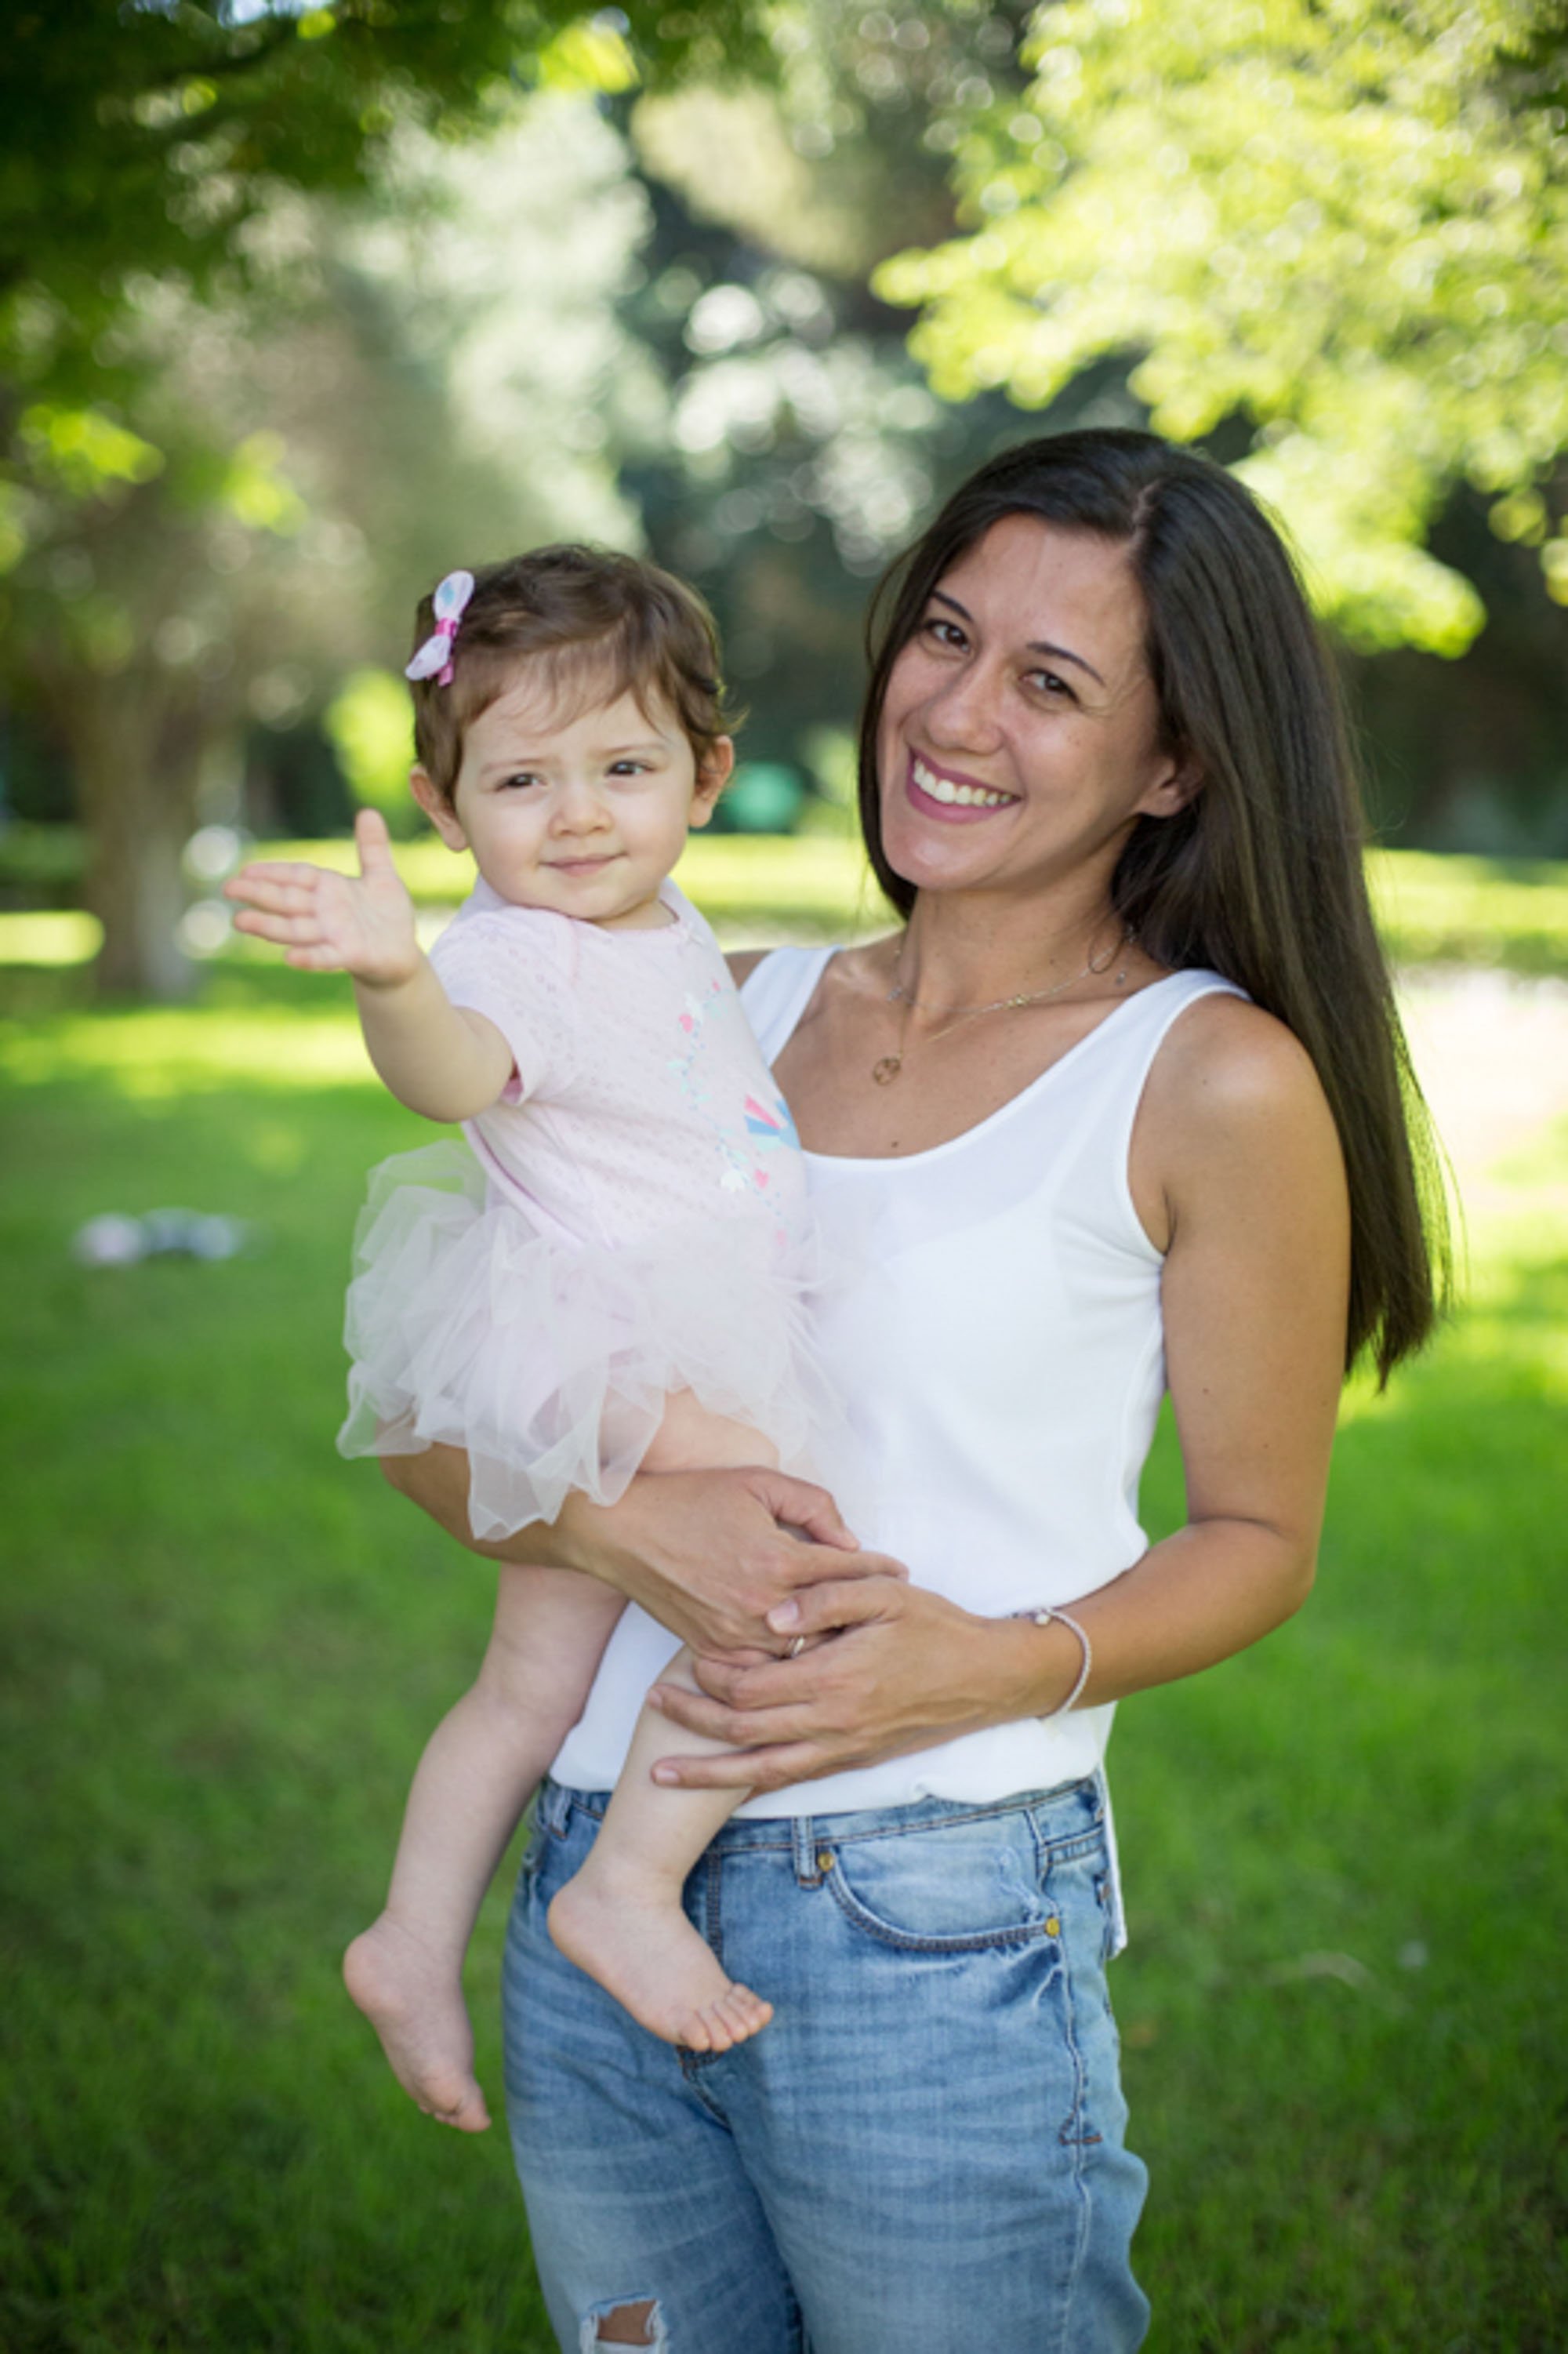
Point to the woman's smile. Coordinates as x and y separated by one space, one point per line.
950 796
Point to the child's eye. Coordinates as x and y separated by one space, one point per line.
628 767
519 777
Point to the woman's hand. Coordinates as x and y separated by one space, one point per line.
711 1555
908 1670
328 922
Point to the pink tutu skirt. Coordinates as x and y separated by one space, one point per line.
550 1361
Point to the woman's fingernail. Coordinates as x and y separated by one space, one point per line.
665 1774
656 1699
787 1613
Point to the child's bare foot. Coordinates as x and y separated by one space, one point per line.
415 2006
633 1937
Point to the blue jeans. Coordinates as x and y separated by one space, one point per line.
924 2149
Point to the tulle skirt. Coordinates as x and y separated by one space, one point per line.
550 1361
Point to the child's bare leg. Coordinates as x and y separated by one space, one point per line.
621 1918
481 1764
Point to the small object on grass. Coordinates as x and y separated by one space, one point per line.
1343 1966
115 1240
109 1241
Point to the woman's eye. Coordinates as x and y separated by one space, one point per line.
943 632
1050 683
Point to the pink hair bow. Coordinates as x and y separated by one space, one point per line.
434 658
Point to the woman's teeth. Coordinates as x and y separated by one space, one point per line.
942 788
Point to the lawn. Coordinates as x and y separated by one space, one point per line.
221 1649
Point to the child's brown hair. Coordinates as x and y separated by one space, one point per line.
594 619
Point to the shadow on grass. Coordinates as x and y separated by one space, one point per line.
1345 1856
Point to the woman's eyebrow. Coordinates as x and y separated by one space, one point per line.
1037 646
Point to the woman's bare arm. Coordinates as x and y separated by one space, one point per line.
708 1554
1237 1162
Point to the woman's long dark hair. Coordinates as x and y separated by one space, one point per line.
1260 877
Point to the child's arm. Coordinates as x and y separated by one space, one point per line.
439 1060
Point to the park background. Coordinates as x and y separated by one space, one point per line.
300 306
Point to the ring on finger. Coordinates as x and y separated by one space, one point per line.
795 1649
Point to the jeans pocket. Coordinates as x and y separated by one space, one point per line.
946 1888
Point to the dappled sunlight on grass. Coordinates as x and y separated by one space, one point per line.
220 1650
1475 911
160 1053
50 936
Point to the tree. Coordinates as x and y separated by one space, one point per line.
165 500
1335 231
393 392
143 136
804 447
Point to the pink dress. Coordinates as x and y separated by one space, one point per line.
628 1220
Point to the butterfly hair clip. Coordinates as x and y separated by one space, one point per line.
434 658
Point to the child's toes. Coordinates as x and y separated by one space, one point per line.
469 2116
453 2100
745 2013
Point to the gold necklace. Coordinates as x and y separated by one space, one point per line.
886 1067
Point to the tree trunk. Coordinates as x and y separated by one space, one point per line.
136 769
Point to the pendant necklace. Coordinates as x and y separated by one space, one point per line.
886 1067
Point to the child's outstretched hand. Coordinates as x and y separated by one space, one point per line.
361 925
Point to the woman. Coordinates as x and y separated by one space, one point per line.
1123 1106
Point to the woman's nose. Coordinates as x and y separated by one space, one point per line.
964 715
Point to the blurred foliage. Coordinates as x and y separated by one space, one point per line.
151 139
41 865
299 308
191 473
370 723
804 447
460 335
1345 224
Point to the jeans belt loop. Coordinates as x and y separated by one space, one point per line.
803 1840
552 1805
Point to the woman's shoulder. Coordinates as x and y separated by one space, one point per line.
1228 1076
1224 1039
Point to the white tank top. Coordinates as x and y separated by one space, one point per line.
997 1336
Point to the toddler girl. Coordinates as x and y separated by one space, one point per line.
613 1277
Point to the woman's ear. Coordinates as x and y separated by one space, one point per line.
1178 787
436 808
714 770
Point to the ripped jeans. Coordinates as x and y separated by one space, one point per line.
923 2151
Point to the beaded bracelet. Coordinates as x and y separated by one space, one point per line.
1042 1617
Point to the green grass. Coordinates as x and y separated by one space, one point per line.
221 1648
